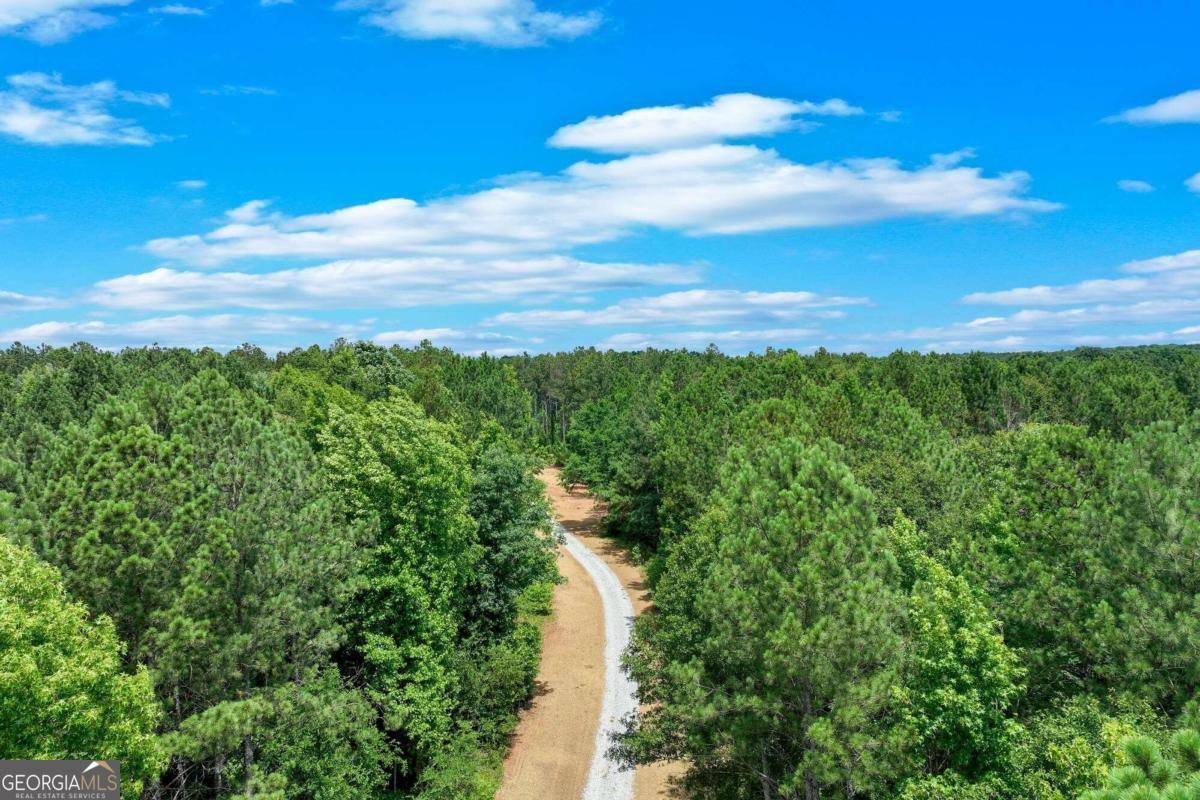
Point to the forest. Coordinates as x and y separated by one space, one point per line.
323 574
317 576
913 577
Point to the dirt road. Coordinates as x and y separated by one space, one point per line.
557 752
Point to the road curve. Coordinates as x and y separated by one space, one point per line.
606 780
552 746
559 746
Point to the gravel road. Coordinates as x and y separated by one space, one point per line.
559 746
606 780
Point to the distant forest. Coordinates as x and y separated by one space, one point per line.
323 574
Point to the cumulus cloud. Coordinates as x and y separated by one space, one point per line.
395 283
713 189
695 307
219 331
1184 107
1193 183
38 108
511 242
53 21
497 23
736 341
727 116
1134 186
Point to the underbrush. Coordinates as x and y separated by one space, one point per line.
497 681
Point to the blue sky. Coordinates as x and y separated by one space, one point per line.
511 176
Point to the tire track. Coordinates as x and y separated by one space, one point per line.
606 779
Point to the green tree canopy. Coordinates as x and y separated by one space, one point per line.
777 634
63 693
406 473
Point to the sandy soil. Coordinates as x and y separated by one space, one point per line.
554 742
607 778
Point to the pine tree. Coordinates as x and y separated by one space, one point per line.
1151 774
777 635
202 527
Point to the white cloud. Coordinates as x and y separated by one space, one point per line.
1041 329
233 90
53 21
63 25
715 189
1154 310
511 243
1151 292
1184 107
470 342
694 307
1089 291
727 116
1062 341
1165 276
1189 259
498 23
219 331
38 108
50 87
1134 186
1193 183
952 159
13 301
731 341
394 283
192 183
247 213
179 10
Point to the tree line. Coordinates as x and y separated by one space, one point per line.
913 577
321 574
318 575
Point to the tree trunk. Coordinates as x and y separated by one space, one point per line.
812 791
178 777
765 778
248 760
